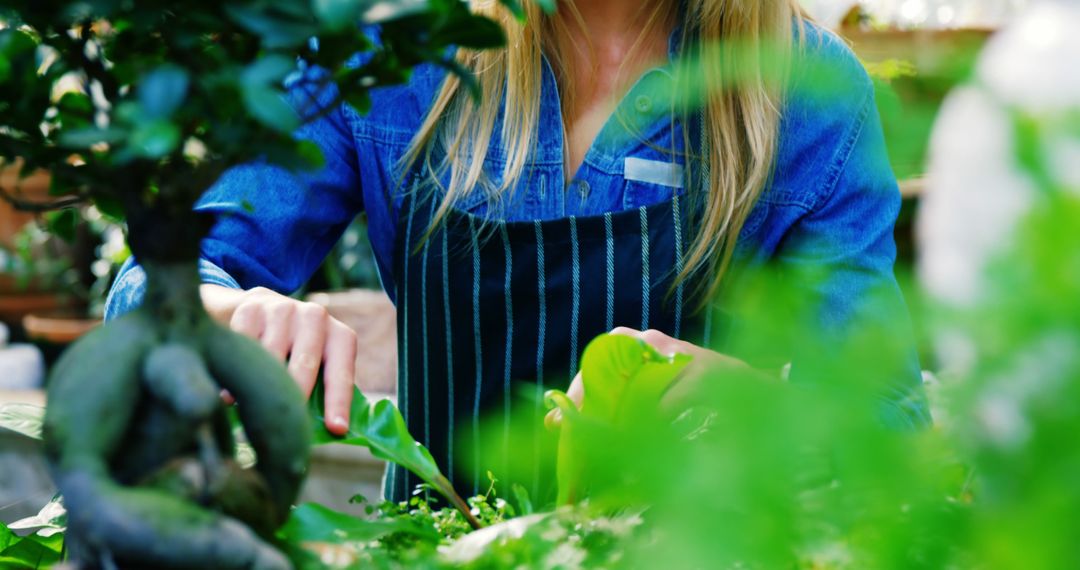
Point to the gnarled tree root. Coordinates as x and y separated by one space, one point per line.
138 443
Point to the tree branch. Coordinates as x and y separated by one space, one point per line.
34 206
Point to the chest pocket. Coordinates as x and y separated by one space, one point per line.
649 182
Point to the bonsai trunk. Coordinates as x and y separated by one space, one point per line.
136 433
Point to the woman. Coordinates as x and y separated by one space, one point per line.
582 193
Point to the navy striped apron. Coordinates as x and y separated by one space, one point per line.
488 310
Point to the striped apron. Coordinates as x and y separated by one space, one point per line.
490 311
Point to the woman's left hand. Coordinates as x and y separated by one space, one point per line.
679 396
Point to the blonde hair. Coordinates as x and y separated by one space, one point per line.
734 44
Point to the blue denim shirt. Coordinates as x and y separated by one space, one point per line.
831 206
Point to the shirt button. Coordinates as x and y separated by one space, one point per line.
581 187
643 104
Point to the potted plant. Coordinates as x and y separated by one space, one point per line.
174 98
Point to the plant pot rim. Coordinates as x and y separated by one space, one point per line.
58 327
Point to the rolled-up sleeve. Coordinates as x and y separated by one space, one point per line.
842 254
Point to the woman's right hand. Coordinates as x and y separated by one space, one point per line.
299 334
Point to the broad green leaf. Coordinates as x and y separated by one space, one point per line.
30 552
25 419
624 379
379 427
312 522
162 91
613 365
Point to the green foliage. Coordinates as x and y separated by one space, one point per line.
29 552
624 379
145 105
381 428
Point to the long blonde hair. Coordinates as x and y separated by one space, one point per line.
733 45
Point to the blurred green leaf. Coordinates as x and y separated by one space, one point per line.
63 223
277 32
155 139
312 522
339 14
87 137
162 91
268 106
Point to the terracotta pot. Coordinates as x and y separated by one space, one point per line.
34 187
58 328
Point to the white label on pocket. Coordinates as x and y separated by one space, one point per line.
653 172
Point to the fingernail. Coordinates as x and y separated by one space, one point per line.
340 422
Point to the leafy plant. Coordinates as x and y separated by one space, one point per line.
140 109
381 428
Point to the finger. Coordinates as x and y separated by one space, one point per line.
576 392
248 320
308 346
339 375
278 332
664 343
227 398
553 420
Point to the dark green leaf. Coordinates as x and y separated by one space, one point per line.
162 91
109 207
476 32
62 223
310 154
75 110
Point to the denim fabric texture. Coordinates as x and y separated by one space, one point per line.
830 208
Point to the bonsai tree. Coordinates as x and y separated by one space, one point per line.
139 107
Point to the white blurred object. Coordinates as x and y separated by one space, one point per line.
934 14
3 335
22 367
977 191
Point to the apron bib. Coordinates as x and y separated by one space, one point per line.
489 309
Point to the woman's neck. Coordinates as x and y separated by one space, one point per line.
611 46
613 27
